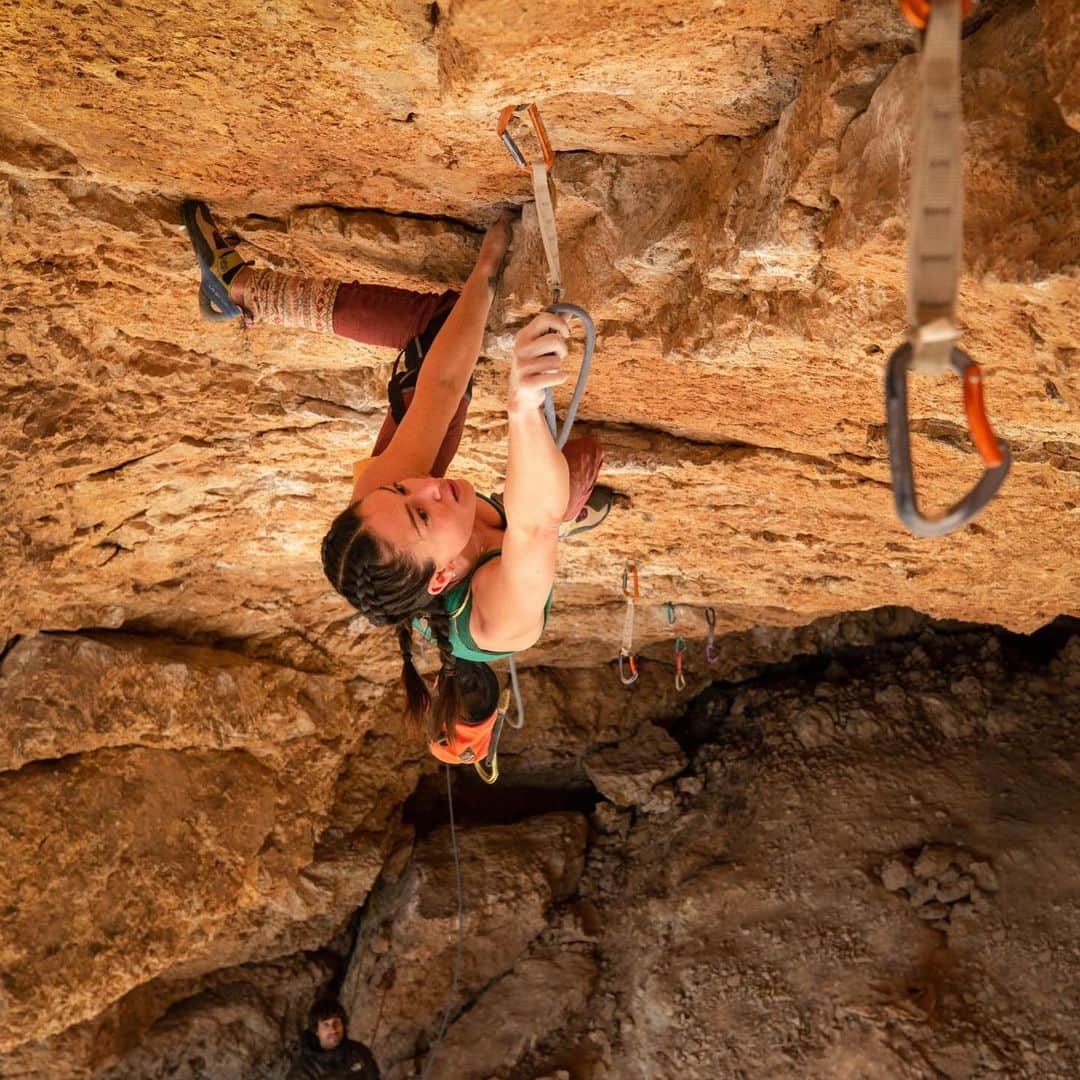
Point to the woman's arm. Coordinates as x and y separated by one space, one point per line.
444 375
510 593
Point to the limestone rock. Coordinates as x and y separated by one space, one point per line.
953 891
511 875
1061 22
204 766
896 875
985 876
935 859
626 773
539 996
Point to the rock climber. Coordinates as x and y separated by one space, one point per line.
327 1052
414 548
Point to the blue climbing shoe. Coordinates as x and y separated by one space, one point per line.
218 262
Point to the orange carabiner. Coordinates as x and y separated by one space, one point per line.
503 127
917 12
634 594
680 651
982 435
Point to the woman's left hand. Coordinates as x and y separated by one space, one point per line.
539 351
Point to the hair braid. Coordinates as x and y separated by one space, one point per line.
390 590
449 704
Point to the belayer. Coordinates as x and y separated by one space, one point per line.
327 1052
414 549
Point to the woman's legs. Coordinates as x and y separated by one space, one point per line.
463 317
370 314
383 316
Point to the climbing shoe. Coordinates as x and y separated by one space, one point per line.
218 261
584 457
595 510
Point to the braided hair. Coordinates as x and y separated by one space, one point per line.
391 589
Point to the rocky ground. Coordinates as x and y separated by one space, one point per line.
858 863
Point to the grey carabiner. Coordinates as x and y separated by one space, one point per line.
903 479
519 722
560 435
625 657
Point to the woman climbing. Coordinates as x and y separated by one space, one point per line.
412 545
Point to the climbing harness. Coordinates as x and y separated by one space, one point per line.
934 252
627 660
680 652
711 655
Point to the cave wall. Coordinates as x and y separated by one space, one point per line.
202 768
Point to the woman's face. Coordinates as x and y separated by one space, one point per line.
426 518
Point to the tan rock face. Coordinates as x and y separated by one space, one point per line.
212 773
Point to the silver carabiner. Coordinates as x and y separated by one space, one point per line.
993 451
711 655
560 435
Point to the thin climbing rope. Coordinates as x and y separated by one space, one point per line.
520 709
434 1049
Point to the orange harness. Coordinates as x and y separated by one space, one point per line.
469 743
475 744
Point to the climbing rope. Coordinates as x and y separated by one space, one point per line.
711 655
934 255
434 1049
627 661
680 652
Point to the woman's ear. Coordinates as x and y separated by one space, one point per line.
440 580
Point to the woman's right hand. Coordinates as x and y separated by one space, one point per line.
539 351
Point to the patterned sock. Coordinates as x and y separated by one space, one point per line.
275 299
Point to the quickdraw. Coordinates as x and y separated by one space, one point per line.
538 126
680 652
627 659
543 186
669 611
711 655
934 252
917 12
544 198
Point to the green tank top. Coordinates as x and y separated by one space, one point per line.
458 604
